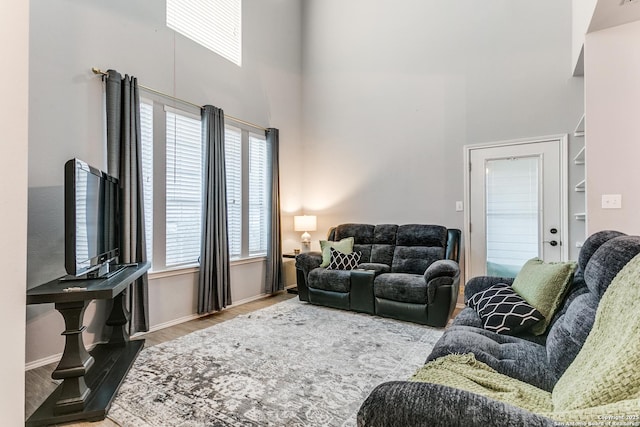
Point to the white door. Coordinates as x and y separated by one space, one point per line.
517 205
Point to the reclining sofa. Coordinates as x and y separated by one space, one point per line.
407 272
539 361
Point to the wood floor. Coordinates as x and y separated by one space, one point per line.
38 382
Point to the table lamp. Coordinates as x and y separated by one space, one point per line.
305 223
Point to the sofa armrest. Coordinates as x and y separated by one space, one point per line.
480 283
306 262
441 273
405 403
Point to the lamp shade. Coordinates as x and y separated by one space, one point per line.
304 223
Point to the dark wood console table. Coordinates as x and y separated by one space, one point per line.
90 380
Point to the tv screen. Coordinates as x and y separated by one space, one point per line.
91 218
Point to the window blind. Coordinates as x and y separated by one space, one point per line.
183 189
146 131
257 195
233 166
216 25
512 213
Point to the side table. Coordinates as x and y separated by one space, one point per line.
293 289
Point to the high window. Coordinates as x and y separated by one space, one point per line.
172 160
215 24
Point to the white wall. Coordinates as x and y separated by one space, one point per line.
612 67
14 86
66 120
391 94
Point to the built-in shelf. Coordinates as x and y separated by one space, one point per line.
580 187
579 158
581 216
579 131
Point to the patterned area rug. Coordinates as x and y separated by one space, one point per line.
291 364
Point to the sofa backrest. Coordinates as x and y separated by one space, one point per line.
603 255
417 247
407 248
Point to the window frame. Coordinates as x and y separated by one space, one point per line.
160 105
246 131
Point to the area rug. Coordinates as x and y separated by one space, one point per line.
291 364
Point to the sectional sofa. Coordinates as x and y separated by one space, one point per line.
550 366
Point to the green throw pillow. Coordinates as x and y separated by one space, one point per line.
345 246
543 285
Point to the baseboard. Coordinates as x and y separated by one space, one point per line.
56 357
52 359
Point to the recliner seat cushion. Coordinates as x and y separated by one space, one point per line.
330 280
401 287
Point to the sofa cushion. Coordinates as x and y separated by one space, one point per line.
417 247
415 259
608 260
330 280
570 331
343 245
401 287
382 253
544 285
421 235
340 261
509 355
593 243
503 311
570 328
467 317
361 233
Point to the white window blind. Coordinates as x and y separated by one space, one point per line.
146 131
183 189
233 166
257 195
512 214
215 24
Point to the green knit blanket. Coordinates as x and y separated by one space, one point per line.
602 383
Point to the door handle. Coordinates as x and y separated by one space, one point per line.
551 242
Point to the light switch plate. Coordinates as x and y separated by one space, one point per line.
612 201
459 207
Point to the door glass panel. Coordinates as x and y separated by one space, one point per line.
512 209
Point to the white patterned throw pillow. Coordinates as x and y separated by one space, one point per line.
503 311
341 261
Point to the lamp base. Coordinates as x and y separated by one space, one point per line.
306 246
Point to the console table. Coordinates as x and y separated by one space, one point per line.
90 380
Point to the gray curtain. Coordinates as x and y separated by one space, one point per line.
214 287
273 280
124 162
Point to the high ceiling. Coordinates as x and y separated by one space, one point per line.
610 13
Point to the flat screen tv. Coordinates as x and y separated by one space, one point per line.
91 220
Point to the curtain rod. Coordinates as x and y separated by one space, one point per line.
244 122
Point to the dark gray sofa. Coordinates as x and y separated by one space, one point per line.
408 272
537 360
